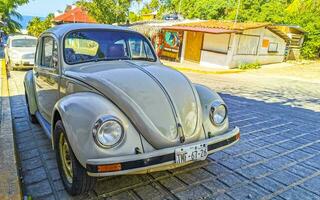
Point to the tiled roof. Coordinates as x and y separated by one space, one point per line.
75 15
227 25
199 29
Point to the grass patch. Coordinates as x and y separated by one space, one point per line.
245 66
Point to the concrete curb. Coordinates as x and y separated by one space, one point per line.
229 71
204 70
10 187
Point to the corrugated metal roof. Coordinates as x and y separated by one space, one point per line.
75 15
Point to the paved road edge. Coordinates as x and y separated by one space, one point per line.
10 186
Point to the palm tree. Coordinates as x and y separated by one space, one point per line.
7 12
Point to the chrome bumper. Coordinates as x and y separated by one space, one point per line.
139 162
23 63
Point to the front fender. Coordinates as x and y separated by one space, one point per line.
79 112
207 97
30 91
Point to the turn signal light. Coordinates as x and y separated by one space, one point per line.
238 136
109 168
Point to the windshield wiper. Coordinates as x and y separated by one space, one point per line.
107 59
146 59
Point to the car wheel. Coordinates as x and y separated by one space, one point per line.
32 118
74 177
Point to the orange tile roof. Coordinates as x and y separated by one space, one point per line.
199 29
228 25
75 15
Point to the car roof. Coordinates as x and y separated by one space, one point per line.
21 37
61 30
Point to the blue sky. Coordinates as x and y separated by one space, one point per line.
42 8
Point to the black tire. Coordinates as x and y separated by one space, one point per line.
81 181
32 118
8 68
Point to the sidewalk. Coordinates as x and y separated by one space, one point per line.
9 179
194 67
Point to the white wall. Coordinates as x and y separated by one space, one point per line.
216 42
213 44
262 56
212 59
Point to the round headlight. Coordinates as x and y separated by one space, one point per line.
108 132
218 114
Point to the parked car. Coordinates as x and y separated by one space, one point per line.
19 51
110 107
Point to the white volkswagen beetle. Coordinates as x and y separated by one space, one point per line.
110 107
19 51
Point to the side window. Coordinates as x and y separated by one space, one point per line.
137 48
148 50
38 53
140 49
49 53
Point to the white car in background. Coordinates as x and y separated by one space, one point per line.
19 51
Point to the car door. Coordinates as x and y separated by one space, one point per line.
46 75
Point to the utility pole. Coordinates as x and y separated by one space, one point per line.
237 13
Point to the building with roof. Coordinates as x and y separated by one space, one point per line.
73 15
294 36
167 45
224 44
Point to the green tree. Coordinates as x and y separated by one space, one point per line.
306 13
107 11
133 17
36 26
7 11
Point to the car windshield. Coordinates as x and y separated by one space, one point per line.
97 45
24 43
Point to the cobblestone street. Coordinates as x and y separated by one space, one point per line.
278 156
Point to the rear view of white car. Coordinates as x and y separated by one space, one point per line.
19 51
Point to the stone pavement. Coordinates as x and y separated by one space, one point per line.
9 179
278 157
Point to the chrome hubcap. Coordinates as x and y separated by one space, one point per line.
65 157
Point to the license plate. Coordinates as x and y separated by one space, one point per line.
191 153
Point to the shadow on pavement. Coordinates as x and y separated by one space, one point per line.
278 155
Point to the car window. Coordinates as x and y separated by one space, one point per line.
82 46
23 42
137 48
95 45
49 54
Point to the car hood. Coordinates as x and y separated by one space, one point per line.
161 102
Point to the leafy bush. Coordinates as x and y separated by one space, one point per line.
245 66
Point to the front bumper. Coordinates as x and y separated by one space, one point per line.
23 63
159 159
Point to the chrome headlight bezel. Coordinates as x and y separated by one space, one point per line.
212 112
100 123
